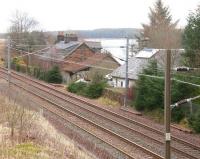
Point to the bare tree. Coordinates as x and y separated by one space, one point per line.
19 118
21 25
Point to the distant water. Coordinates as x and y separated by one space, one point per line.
113 46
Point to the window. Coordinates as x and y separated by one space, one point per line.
121 83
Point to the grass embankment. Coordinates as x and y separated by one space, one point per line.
25 134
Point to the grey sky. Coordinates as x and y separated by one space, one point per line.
91 14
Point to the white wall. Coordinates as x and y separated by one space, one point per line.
119 82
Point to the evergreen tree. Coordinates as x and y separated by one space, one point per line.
161 32
54 75
191 39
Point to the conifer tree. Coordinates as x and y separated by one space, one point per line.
161 31
54 75
191 39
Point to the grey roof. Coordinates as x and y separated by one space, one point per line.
62 45
61 50
147 53
93 44
136 64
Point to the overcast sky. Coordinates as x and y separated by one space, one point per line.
91 14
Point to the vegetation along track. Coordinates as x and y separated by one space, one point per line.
116 121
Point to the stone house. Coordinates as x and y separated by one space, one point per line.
76 59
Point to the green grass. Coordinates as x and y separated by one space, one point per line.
23 150
28 150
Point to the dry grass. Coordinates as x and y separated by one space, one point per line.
40 141
118 90
108 102
2 48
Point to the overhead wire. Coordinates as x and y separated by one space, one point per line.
174 79
89 65
65 61
32 53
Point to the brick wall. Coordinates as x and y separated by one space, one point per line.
80 54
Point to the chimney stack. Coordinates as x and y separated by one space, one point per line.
71 37
60 36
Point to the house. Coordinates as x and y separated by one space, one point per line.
140 61
76 59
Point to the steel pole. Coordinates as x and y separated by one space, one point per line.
126 80
167 104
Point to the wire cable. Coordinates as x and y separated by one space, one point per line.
184 101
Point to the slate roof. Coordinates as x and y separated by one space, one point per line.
147 53
93 44
137 63
73 67
89 62
60 50
135 66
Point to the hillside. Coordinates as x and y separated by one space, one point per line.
108 33
99 33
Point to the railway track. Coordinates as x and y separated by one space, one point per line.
128 148
60 96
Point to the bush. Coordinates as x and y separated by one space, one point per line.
17 67
92 90
77 87
178 114
54 75
194 122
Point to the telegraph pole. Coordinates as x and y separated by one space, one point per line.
28 62
126 80
167 104
9 71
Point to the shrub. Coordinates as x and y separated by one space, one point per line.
54 75
17 67
94 90
77 87
178 114
194 122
